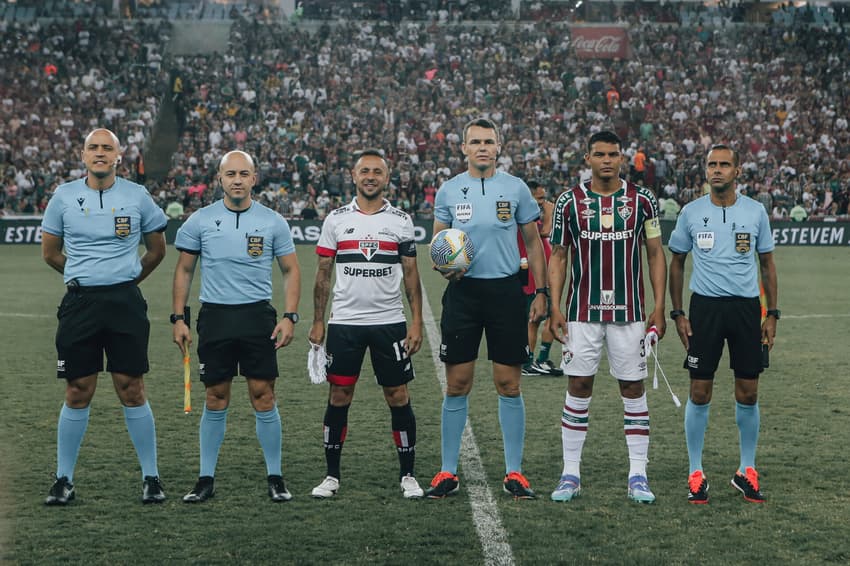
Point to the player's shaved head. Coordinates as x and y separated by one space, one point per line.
236 152
102 131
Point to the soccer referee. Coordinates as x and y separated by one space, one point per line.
730 239
237 240
100 220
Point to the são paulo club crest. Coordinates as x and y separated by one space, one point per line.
368 248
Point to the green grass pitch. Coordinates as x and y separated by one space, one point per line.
802 457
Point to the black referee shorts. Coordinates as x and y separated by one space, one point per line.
735 320
493 306
236 339
93 320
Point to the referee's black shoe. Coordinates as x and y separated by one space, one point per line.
61 492
277 489
152 491
203 490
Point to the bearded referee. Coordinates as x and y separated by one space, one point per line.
238 241
100 220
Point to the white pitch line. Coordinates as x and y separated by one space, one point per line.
485 512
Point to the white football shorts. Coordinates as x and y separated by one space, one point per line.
622 340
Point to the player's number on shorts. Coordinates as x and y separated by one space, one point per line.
400 352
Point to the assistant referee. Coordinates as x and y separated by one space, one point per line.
237 240
100 221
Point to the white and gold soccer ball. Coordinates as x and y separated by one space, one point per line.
451 250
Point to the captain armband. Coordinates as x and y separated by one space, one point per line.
652 228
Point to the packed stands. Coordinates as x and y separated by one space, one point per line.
303 94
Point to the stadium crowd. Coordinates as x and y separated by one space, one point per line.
304 96
59 79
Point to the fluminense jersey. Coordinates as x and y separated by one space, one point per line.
101 230
724 241
605 234
237 251
368 249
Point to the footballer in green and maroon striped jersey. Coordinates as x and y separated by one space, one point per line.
606 234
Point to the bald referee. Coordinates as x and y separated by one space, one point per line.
100 220
237 240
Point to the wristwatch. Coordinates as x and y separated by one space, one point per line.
676 313
293 316
542 291
175 317
775 313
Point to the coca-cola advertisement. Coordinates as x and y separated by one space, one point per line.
600 42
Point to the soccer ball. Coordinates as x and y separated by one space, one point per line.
451 250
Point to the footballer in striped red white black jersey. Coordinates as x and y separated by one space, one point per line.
367 249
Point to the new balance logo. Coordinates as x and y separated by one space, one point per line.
350 231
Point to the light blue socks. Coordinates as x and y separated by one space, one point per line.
455 410
69 437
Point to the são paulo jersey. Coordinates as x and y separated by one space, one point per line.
237 250
368 249
605 233
724 242
101 230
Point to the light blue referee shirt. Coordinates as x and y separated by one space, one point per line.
237 251
724 241
489 211
101 230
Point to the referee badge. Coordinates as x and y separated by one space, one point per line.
742 242
503 210
255 246
122 226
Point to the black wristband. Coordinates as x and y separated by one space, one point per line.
542 291
676 313
775 313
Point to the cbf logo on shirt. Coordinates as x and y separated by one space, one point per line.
122 226
742 242
503 210
255 246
